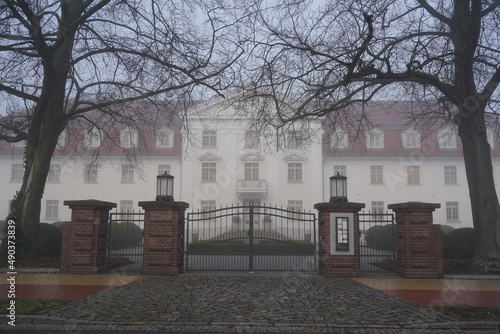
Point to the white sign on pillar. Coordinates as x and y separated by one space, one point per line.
341 233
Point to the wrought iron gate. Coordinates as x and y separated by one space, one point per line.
377 242
126 240
251 238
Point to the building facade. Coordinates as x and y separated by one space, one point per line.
222 161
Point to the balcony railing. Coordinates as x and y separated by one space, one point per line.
252 186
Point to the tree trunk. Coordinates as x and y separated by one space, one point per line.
482 192
47 121
42 140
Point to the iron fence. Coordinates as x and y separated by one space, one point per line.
126 240
251 238
377 242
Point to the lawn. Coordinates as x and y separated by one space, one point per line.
26 306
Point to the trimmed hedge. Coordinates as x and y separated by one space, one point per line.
459 244
49 240
124 235
381 237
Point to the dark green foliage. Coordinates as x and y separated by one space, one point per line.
58 224
123 235
447 229
381 237
49 241
459 244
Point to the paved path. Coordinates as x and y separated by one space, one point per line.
67 287
271 303
440 292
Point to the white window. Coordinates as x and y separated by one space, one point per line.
451 210
93 138
209 138
297 208
411 139
375 139
127 173
252 140
377 207
339 140
61 142
54 173
126 206
17 172
164 138
251 171
340 169
294 140
90 173
376 174
19 144
208 171
490 136
450 174
129 138
294 172
163 168
447 138
413 174
208 206
52 209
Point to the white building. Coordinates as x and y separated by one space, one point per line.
222 161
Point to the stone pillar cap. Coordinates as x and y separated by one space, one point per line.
414 205
89 203
163 204
340 205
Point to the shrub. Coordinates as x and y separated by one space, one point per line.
381 237
58 224
123 235
447 229
49 241
459 244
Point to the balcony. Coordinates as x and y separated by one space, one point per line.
251 186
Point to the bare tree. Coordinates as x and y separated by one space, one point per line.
63 61
311 62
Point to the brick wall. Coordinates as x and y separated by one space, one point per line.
333 264
85 237
163 237
418 241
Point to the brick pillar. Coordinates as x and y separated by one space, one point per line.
339 248
418 241
163 237
85 237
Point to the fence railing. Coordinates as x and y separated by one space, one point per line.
377 241
126 240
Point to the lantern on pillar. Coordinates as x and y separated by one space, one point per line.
165 187
338 188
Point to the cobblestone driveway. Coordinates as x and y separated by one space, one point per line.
239 301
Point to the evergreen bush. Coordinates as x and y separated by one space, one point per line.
123 235
49 241
381 237
459 244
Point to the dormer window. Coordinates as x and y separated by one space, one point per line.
164 138
375 139
339 139
411 139
447 138
93 138
129 138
